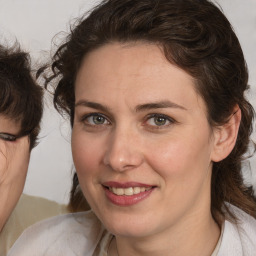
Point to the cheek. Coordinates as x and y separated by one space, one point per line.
184 158
168 160
87 153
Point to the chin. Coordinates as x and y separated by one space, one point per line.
129 225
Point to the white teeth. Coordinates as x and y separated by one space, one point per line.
119 191
142 189
137 190
128 191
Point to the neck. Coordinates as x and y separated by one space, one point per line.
200 237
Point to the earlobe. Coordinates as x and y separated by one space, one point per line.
225 136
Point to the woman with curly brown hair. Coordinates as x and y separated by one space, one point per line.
160 125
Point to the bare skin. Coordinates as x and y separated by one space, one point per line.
14 159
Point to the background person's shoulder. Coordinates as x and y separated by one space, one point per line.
72 234
29 210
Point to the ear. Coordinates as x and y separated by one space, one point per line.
225 136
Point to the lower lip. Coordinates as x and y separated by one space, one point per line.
127 200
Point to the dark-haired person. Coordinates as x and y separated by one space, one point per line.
20 114
155 93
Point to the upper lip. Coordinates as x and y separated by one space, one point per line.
116 184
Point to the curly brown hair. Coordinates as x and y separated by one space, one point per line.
197 37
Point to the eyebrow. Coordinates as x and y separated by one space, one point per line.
94 105
160 104
139 108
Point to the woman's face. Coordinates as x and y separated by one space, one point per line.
141 143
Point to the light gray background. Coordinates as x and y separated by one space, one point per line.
34 23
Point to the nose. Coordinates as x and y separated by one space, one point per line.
123 151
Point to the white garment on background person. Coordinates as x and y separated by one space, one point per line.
82 234
28 211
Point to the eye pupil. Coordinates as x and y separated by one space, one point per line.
98 119
160 120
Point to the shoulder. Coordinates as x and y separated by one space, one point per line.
239 238
28 211
65 235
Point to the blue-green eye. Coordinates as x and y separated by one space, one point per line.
159 120
95 119
98 119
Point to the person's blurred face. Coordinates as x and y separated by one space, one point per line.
14 158
141 142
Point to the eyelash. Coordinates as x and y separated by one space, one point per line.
165 118
85 118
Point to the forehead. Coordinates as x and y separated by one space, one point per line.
140 71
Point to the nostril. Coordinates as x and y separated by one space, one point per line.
121 156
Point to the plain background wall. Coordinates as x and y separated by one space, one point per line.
34 23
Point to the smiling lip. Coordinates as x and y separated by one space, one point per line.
126 194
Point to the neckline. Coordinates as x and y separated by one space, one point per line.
109 237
